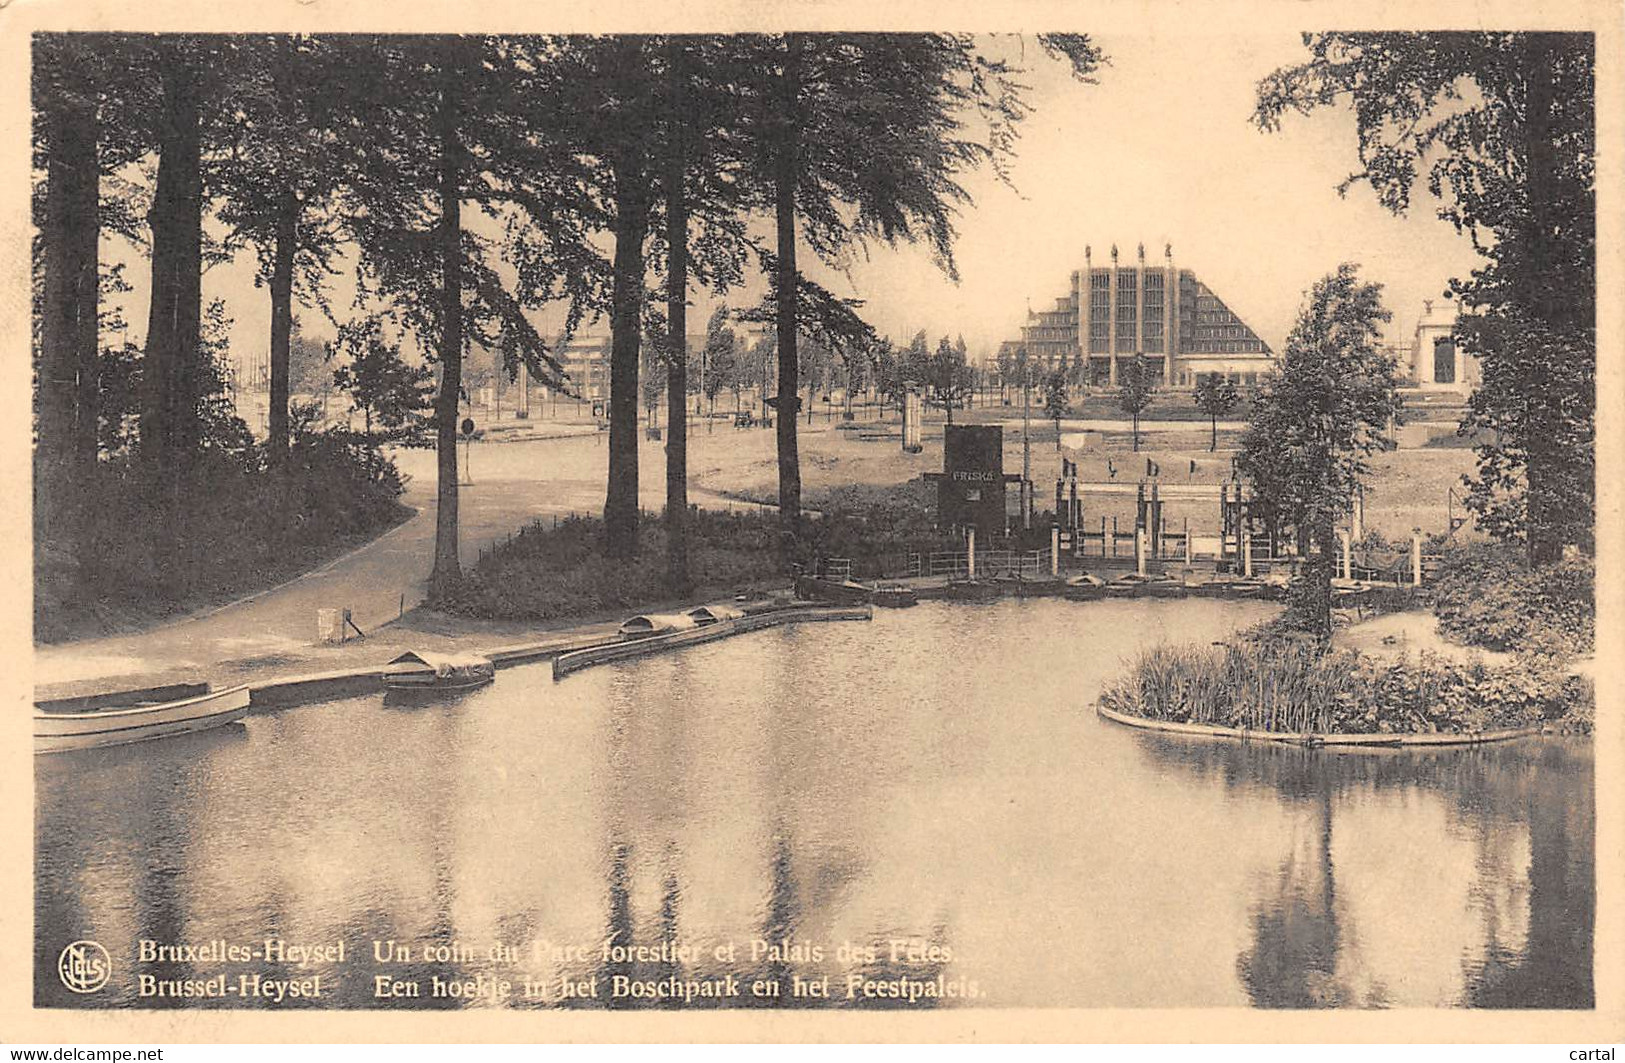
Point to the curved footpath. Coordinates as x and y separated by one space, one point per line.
273 631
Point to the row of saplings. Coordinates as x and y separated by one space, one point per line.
1273 679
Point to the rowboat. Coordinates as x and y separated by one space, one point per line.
817 588
704 615
1085 588
648 625
58 732
422 670
894 596
973 590
658 632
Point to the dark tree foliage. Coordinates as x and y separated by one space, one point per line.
721 358
949 382
1502 128
478 179
863 137
390 392
1319 416
1215 395
1137 382
1056 403
277 178
438 122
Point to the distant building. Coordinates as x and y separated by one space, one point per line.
1437 361
1113 313
585 359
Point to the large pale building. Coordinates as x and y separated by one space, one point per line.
1116 311
1437 361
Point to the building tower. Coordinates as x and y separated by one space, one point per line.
1111 348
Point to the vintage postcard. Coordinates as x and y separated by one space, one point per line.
779 524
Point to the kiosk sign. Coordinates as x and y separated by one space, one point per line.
970 491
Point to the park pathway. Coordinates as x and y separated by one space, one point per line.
512 483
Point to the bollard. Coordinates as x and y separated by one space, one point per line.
1416 557
1246 551
1055 550
1187 542
970 552
1139 550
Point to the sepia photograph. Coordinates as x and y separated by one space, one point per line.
813 519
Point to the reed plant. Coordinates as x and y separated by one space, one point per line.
1285 685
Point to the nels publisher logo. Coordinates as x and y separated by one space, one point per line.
84 966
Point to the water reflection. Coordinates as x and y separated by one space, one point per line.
915 812
1418 878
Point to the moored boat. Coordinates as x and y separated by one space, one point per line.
704 615
817 588
973 589
646 625
57 732
423 670
1085 588
894 596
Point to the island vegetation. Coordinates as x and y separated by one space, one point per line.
1513 168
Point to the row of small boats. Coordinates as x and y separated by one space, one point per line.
160 712
68 724
851 592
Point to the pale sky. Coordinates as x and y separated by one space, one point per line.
1160 150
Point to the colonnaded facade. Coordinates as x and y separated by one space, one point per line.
1114 312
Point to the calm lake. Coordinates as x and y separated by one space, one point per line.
923 810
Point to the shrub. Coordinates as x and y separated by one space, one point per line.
241 527
547 574
1486 595
553 573
1284 685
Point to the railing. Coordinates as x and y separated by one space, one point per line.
837 568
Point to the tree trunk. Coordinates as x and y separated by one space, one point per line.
67 372
1542 514
677 333
287 236
1213 444
784 200
169 370
1314 597
626 305
169 375
447 564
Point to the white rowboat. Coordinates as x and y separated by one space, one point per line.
57 732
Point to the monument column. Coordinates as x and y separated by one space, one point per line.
1139 303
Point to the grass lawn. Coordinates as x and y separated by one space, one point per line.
1409 488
